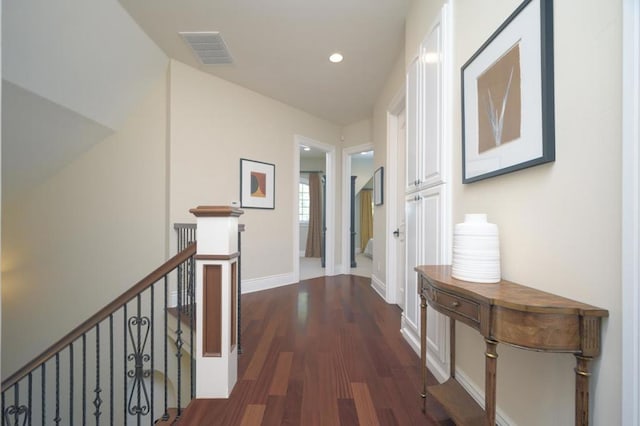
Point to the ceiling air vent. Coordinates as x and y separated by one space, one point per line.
209 47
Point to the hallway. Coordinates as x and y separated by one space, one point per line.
325 352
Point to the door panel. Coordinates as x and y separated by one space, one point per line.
412 157
431 66
412 209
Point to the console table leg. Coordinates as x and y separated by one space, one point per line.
582 390
423 350
491 367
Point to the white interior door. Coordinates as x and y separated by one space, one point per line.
400 206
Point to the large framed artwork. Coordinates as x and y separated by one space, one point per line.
257 184
507 96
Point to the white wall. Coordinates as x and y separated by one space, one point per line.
214 123
362 168
86 234
357 133
560 222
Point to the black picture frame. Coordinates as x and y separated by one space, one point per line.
257 184
530 136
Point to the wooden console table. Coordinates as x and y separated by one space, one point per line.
510 313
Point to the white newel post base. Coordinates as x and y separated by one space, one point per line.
216 349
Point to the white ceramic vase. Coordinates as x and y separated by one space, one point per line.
476 250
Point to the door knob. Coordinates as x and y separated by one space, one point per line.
396 233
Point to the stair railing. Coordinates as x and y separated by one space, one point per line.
124 365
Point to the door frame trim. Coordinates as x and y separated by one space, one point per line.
346 202
396 105
330 171
630 213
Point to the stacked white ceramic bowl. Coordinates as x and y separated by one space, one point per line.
476 250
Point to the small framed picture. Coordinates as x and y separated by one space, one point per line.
257 184
378 186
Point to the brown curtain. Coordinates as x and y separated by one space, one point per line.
366 218
314 236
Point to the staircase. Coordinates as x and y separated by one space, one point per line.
120 366
133 362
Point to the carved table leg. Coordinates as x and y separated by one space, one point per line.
490 371
582 390
452 348
423 350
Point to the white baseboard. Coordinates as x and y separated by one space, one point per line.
478 395
410 335
265 283
379 286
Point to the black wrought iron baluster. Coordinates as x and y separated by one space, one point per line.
111 369
15 414
71 383
30 393
124 362
57 419
179 344
180 281
84 379
192 310
152 351
97 401
165 416
137 365
43 382
138 327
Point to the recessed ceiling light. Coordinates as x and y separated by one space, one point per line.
305 148
336 58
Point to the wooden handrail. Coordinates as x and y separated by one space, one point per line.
102 314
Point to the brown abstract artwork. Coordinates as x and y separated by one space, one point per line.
258 184
499 102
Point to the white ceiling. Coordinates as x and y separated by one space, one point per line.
280 48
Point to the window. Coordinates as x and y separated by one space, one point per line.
303 207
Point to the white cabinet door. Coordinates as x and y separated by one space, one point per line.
427 202
412 259
431 216
425 115
412 168
424 215
423 224
430 145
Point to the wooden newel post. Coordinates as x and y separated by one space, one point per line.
216 257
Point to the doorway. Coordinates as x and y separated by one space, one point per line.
313 209
358 243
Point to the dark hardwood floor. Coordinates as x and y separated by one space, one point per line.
327 351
